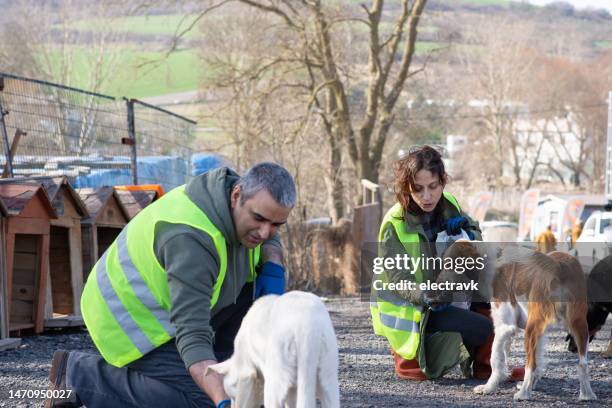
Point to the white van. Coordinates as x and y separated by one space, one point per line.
596 237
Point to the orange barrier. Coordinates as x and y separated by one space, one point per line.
143 187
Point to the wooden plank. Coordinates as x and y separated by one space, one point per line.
111 214
94 247
65 222
42 285
15 326
34 226
64 321
76 267
23 276
23 292
70 207
36 208
366 223
49 298
4 318
106 236
10 248
9 343
25 260
60 256
88 248
26 244
22 310
62 302
60 272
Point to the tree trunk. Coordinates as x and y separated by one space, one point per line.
335 186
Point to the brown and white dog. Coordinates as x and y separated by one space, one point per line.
530 290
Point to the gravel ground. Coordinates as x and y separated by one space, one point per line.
366 372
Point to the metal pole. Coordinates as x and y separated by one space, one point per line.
132 136
5 141
609 148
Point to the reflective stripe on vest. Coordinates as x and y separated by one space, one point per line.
393 317
126 301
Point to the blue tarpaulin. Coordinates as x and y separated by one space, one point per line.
169 171
203 162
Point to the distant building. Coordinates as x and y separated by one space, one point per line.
549 143
455 144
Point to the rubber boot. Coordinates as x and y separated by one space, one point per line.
482 357
408 369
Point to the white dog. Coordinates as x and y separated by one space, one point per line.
285 355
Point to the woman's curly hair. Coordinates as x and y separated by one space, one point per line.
406 168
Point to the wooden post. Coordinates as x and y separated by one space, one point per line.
132 139
5 141
12 152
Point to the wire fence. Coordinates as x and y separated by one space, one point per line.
94 139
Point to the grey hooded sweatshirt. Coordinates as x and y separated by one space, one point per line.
191 261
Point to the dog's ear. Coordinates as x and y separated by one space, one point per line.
249 390
219 368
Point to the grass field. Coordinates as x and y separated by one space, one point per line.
136 73
168 24
603 44
139 71
503 3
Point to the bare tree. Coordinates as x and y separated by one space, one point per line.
350 100
498 67
574 93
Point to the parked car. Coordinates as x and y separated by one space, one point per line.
596 238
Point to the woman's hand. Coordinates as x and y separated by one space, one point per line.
456 224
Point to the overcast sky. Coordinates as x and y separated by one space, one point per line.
605 4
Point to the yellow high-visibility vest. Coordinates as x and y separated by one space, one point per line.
126 300
393 317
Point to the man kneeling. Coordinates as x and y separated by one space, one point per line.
166 299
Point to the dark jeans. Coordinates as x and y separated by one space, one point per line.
474 328
158 379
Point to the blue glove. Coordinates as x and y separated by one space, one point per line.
224 404
456 224
271 280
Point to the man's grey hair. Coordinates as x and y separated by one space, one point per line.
273 178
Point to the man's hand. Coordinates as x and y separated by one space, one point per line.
272 253
211 383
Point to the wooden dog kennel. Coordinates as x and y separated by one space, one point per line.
106 219
65 255
6 342
27 254
135 198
